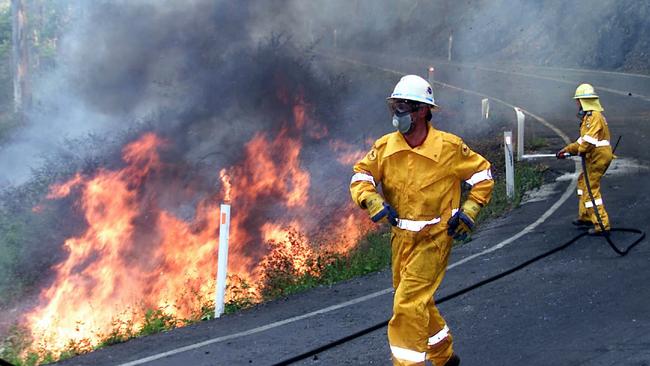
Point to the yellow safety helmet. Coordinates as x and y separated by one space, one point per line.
588 98
585 91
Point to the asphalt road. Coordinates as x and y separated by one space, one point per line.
582 306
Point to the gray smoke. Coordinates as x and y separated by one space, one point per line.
122 61
119 63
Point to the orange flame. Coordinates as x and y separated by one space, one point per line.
101 277
63 189
227 186
288 243
134 254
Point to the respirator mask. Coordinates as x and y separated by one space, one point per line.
400 111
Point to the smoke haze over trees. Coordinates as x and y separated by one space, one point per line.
84 52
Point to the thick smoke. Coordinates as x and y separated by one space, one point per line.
119 63
122 61
196 73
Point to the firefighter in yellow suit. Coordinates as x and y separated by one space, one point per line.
594 145
420 170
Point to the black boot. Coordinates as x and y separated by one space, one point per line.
454 360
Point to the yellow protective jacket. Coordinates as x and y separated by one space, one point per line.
594 140
423 184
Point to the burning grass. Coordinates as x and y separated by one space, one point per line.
133 248
282 276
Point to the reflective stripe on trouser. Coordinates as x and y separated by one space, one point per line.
595 172
582 194
417 332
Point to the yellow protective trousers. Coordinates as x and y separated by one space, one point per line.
417 332
597 165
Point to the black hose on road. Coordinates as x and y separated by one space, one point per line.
605 234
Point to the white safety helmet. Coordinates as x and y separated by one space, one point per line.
415 88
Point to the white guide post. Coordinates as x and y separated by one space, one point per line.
520 133
510 164
451 41
485 108
222 266
430 75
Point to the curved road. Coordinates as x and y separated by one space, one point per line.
582 306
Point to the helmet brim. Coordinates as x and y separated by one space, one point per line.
432 103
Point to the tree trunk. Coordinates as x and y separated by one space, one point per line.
20 57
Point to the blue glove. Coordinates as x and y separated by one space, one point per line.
388 212
378 209
460 225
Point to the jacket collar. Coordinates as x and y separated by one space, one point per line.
430 148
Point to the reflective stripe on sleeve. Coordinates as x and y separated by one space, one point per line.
593 141
479 177
602 143
439 337
579 192
358 177
579 140
407 354
590 204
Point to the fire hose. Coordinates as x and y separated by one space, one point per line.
606 235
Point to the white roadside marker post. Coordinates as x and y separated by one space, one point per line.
520 133
451 41
222 265
485 108
430 75
510 165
